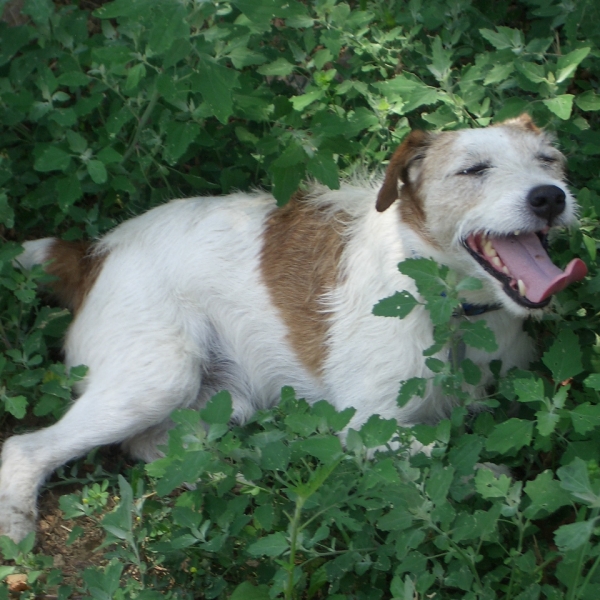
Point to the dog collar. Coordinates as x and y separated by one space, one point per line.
474 310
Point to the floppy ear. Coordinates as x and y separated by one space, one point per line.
524 121
412 148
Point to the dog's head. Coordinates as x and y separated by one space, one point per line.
483 201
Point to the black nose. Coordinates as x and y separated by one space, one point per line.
547 201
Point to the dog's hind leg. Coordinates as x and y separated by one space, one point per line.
110 410
145 446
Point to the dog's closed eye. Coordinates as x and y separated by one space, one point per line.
478 169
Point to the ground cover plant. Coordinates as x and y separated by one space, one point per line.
107 109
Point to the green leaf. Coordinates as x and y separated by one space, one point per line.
441 60
16 406
73 79
68 190
546 422
77 143
125 8
13 39
97 171
510 435
438 484
546 495
399 305
52 159
7 214
109 155
478 335
564 357
286 181
134 76
490 486
216 83
426 274
179 137
575 479
397 519
480 525
323 167
499 39
471 371
586 417
415 386
532 71
170 25
40 11
377 431
261 13
561 106
280 68
588 101
469 284
326 448
499 73
218 409
246 591
5 571
569 62
301 102
574 535
271 545
275 456
529 390
593 381
188 470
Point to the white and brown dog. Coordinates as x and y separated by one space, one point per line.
207 294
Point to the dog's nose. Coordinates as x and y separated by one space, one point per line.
547 201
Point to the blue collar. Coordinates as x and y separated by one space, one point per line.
474 310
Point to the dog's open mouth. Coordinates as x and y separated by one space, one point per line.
520 262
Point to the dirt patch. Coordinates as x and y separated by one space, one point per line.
53 534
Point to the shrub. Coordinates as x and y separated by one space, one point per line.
106 114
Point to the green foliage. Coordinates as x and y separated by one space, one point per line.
107 114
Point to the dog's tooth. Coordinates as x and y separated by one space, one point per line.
497 262
505 270
517 232
522 288
488 249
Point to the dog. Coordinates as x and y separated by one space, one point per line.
206 294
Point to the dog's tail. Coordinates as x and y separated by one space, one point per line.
75 266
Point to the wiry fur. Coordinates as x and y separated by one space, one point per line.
186 301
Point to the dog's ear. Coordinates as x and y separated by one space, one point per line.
524 121
412 148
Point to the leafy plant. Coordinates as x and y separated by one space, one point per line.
107 113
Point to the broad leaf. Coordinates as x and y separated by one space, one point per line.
510 435
564 357
399 305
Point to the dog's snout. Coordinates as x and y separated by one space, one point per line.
547 201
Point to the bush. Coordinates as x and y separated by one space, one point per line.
106 114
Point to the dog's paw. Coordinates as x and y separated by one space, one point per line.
15 522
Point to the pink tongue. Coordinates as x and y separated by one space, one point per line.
527 260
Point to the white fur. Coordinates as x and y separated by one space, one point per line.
180 310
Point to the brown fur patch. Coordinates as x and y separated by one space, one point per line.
524 121
76 266
300 261
411 149
412 213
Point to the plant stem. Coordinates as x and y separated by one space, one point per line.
293 539
573 595
142 122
